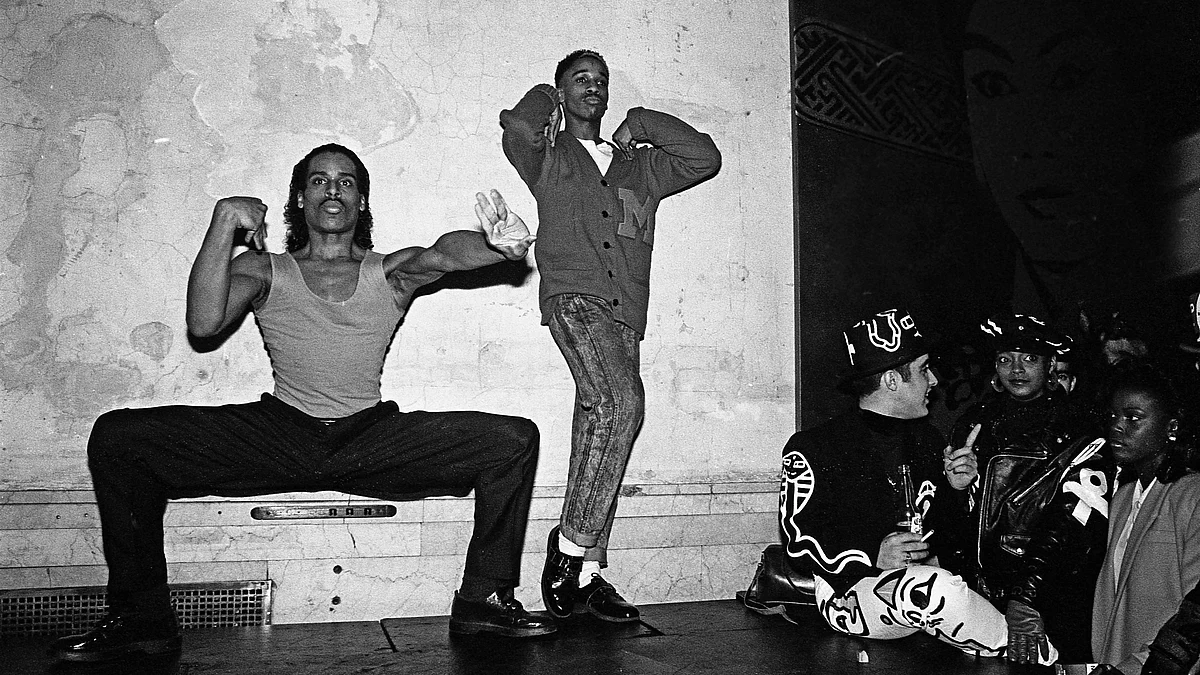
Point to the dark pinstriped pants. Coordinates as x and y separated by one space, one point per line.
140 458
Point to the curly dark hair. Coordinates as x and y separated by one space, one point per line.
293 215
572 58
1147 377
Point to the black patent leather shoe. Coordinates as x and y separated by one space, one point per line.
499 613
560 579
602 601
119 635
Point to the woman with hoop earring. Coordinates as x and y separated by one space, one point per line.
1025 424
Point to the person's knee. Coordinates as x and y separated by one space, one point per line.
108 432
627 397
524 435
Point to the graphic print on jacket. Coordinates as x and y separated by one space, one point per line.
799 484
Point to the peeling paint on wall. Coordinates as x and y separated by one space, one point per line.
123 121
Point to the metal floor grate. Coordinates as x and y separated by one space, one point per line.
61 611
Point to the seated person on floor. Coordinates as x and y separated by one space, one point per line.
843 493
327 310
1153 554
1023 425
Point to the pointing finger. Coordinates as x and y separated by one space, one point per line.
973 435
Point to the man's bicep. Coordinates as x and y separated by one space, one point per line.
411 268
249 281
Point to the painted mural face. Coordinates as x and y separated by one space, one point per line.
1051 133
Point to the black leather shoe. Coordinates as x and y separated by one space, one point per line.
602 601
118 635
560 579
499 613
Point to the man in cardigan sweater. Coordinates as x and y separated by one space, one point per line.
596 210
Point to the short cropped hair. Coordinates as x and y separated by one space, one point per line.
869 384
572 58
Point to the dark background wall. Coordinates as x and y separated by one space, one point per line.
966 158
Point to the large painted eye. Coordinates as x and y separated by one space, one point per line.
993 84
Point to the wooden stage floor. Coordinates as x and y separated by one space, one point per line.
680 638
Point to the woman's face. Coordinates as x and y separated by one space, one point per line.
1023 375
1138 426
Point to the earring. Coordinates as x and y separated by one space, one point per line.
996 384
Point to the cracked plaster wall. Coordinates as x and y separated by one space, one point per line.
121 123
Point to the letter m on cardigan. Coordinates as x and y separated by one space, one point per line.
638 217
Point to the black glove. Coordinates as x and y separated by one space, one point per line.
1026 633
1177 645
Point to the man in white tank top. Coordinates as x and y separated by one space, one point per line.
327 309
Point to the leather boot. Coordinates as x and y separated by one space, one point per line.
120 634
560 579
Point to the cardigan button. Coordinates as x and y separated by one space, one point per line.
616 302
607 245
604 182
604 213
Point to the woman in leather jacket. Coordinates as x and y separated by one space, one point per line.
1025 424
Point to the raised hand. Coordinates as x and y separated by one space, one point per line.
242 215
962 466
624 140
504 230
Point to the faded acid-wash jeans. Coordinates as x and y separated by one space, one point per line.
610 402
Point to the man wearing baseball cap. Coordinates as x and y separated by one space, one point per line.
869 497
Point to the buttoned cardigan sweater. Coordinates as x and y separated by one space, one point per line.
596 231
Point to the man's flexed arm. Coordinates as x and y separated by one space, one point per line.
220 291
529 127
682 157
504 237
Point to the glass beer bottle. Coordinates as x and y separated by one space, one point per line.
911 520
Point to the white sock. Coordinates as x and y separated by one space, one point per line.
590 567
569 547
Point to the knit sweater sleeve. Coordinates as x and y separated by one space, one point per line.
523 139
681 156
